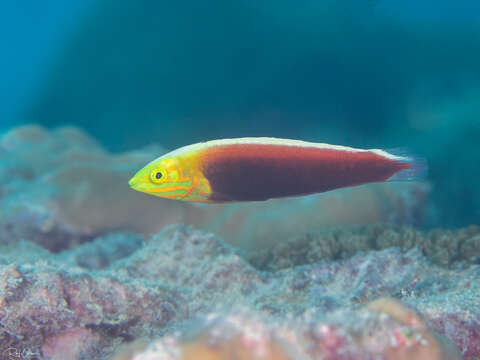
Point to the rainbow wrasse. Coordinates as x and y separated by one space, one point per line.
255 169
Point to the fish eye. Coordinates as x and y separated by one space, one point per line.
157 175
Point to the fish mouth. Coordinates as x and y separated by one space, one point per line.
132 182
135 183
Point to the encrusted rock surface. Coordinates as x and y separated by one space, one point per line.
385 329
447 248
184 276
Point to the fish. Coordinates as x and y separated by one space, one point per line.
263 168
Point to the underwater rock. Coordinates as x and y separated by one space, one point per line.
71 343
60 188
442 247
68 314
183 276
385 329
105 250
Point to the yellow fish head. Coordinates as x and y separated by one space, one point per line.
163 178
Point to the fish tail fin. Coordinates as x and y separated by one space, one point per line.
417 169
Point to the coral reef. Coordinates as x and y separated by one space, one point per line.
184 279
446 248
61 312
88 266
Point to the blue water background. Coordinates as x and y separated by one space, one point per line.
366 73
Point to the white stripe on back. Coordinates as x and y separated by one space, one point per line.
274 141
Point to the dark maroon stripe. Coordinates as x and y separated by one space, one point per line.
249 172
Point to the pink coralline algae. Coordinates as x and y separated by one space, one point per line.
385 330
201 300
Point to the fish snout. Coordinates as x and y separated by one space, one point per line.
134 182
